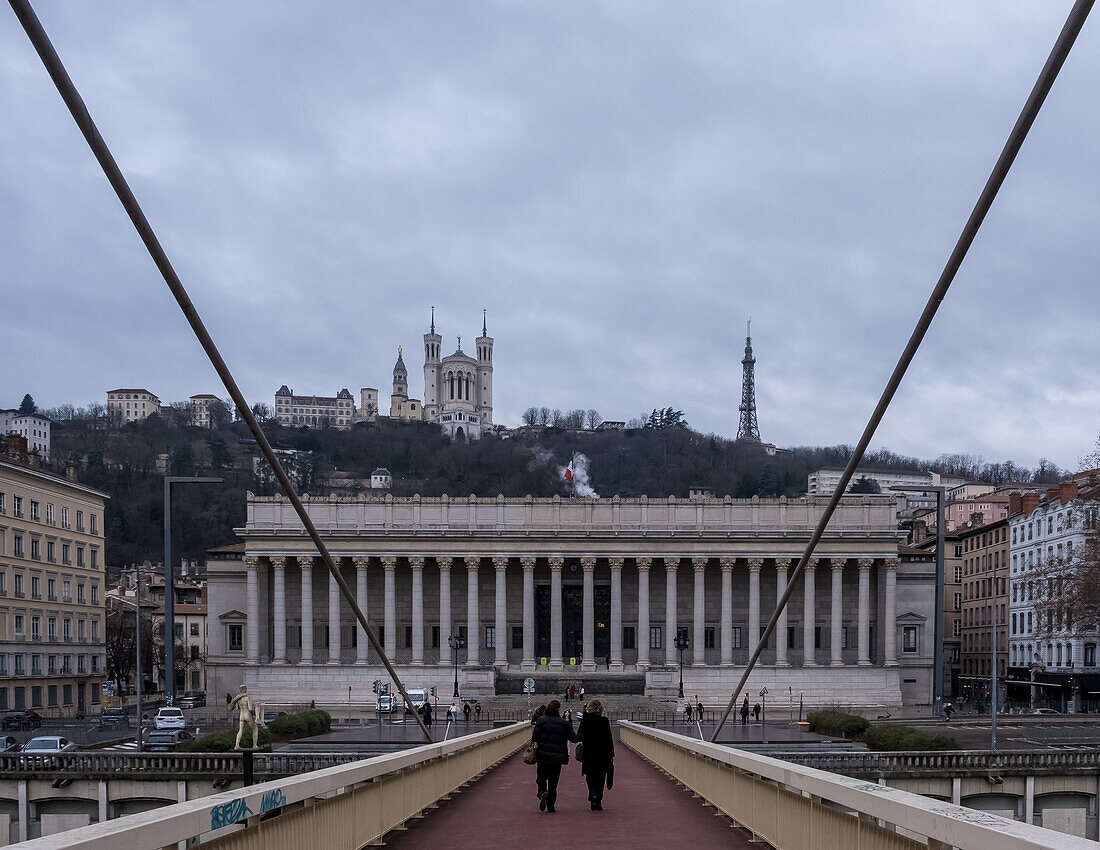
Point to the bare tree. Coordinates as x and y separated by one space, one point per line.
592 419
1065 591
531 416
545 417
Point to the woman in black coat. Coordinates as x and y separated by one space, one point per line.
599 751
552 734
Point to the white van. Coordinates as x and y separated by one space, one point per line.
419 696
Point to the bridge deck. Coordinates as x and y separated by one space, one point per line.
645 809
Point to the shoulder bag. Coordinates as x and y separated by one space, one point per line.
531 753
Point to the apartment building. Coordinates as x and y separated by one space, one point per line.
130 405
52 620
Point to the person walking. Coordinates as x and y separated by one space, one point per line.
551 735
477 711
597 766
426 713
466 712
687 711
745 710
698 709
756 712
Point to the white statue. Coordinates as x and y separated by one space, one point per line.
250 713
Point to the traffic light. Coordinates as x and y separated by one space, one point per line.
433 691
377 686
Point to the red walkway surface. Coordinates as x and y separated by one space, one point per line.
645 809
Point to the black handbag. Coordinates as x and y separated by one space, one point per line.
578 752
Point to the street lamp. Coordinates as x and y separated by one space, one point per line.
455 642
681 644
170 585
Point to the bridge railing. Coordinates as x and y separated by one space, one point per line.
793 807
949 763
345 806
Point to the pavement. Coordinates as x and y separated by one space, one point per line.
645 809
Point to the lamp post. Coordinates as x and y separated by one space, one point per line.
455 642
681 644
937 622
170 585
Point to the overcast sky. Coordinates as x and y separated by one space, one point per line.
621 184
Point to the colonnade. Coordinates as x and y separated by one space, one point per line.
666 654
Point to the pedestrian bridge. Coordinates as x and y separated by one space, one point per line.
720 797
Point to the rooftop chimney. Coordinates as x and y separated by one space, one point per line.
1015 504
1030 502
70 471
16 445
1067 492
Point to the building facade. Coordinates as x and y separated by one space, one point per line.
985 614
52 622
200 409
564 589
314 411
130 405
1054 657
34 427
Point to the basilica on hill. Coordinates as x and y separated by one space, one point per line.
458 393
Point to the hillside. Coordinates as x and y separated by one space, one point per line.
129 463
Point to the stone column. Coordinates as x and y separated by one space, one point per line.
643 611
755 564
417 565
362 645
864 640
306 566
333 618
278 567
556 564
252 567
501 619
891 625
727 611
616 565
528 564
671 566
809 613
781 623
698 650
389 600
473 618
444 611
588 630
837 614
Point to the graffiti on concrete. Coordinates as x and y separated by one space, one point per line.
229 813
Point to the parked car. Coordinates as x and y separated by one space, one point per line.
166 740
169 718
111 717
47 744
192 701
21 720
8 744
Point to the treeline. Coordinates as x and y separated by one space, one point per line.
660 457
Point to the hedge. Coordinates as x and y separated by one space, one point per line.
835 722
907 738
882 737
285 727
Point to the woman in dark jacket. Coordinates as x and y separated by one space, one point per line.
599 751
552 735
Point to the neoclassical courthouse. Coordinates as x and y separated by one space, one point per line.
573 590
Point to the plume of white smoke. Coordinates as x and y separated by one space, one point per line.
580 486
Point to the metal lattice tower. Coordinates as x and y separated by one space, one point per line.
747 429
